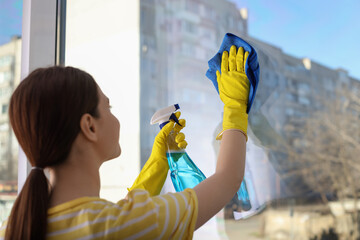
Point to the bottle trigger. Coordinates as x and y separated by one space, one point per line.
173 117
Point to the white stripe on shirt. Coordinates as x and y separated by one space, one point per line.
166 217
67 230
142 233
78 213
140 193
187 218
118 228
177 213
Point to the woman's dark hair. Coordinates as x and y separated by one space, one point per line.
45 112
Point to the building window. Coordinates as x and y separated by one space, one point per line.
189 27
5 92
207 34
4 127
209 12
303 88
187 49
291 97
4 108
5 76
303 100
230 21
240 26
6 60
192 6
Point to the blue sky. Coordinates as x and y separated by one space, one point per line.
327 32
10 19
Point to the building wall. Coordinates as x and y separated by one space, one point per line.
10 57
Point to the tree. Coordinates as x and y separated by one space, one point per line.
327 152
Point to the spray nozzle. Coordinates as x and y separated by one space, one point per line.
163 116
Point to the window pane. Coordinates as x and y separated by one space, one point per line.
10 53
107 46
302 153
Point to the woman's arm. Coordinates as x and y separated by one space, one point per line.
217 190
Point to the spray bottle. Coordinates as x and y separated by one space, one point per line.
183 171
243 196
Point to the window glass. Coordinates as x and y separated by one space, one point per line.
10 53
302 152
107 46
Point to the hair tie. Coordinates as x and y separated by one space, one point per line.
37 168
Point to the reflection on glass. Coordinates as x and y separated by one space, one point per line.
294 99
303 127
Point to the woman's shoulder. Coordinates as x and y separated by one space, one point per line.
77 203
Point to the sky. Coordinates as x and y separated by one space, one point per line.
327 32
10 19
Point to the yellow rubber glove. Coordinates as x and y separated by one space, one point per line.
234 90
154 172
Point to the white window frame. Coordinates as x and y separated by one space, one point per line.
38 50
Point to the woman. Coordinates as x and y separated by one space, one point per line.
63 122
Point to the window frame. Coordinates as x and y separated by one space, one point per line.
39 45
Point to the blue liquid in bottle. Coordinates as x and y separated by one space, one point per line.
243 196
184 173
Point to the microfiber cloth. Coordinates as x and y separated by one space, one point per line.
252 68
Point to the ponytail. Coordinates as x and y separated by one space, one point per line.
28 218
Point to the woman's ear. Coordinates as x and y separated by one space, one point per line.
88 127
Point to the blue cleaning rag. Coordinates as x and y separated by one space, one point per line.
252 68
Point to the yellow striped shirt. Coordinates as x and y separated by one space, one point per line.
139 216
